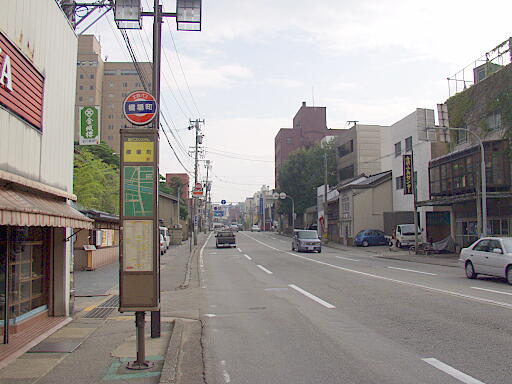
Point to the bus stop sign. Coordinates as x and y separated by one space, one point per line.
139 107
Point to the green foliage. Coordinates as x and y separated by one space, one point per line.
302 173
183 210
96 182
104 152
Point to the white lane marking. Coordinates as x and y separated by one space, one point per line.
225 373
209 315
312 297
274 238
346 258
431 289
452 371
248 257
492 290
201 261
239 250
264 269
413 270
212 253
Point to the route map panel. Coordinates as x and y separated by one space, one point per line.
138 191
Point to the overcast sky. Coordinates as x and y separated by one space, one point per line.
254 63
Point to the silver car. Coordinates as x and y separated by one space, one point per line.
488 256
306 240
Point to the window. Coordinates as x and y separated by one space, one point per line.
347 172
493 121
346 148
345 204
399 182
81 75
91 76
124 94
461 136
289 140
110 126
137 84
91 99
91 87
125 85
111 85
110 138
80 98
398 149
408 144
110 73
81 87
110 116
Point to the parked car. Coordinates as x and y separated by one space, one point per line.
167 236
225 239
488 256
404 235
255 228
234 227
306 240
163 247
368 237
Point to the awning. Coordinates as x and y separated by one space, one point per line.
26 209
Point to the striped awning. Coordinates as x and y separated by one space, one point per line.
27 209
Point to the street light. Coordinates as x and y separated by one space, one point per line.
283 196
188 15
127 14
484 177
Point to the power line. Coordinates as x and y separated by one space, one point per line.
238 157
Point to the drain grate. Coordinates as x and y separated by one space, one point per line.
103 310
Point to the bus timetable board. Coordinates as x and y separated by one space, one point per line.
140 243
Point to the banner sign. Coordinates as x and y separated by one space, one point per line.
408 176
89 125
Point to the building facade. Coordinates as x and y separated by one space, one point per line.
362 150
455 178
105 84
37 89
309 127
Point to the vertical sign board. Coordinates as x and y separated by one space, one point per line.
139 253
89 125
408 187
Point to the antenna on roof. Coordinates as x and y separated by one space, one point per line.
352 121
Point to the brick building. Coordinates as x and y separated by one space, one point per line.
185 180
309 127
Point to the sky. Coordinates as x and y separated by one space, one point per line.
254 63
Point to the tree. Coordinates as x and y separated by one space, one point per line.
176 186
303 173
96 183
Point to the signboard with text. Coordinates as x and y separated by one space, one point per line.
408 175
139 107
89 117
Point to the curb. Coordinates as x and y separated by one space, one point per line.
186 281
170 367
431 262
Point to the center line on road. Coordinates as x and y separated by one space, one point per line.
248 257
346 258
492 290
452 371
239 250
264 269
312 297
413 270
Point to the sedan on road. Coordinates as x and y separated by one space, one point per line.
255 228
488 256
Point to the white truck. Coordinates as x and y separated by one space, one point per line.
404 235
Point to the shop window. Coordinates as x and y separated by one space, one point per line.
398 149
24 250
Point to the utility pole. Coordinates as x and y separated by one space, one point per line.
326 220
194 124
207 188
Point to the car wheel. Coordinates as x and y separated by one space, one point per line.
470 271
398 245
365 243
319 251
509 274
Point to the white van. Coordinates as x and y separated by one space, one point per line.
404 235
164 231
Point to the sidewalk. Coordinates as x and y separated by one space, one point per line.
383 252
95 346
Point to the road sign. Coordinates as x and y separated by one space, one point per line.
275 195
139 107
89 125
282 195
223 201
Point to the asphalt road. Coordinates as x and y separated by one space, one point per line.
276 316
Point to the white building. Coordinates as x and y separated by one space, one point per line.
37 97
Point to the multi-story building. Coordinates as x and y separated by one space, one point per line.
309 127
362 149
455 178
410 136
37 221
105 84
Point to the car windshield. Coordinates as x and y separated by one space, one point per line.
307 235
225 234
507 244
407 229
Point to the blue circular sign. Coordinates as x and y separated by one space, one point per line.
223 201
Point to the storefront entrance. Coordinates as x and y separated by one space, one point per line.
24 276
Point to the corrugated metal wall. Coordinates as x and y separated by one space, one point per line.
41 31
